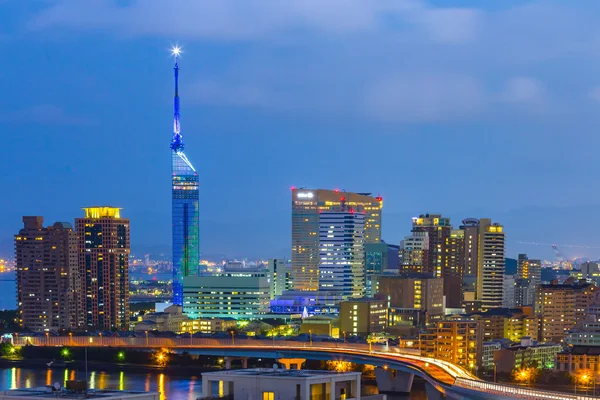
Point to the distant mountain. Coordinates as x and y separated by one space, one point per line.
510 267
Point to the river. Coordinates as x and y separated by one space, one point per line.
171 387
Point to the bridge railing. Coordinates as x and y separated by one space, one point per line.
517 392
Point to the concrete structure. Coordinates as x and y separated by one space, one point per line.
457 341
307 206
185 210
286 384
48 393
562 307
239 294
46 275
588 335
103 290
379 257
527 354
488 350
491 263
508 291
421 292
361 317
414 253
341 253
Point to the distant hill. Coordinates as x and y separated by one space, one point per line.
510 267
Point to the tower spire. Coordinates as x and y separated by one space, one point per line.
177 142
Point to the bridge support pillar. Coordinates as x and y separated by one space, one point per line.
244 362
292 363
432 392
393 382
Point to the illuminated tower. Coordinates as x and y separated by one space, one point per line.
185 195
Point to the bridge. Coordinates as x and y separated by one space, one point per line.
395 367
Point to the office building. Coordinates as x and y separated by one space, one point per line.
488 351
414 253
185 213
457 341
379 257
341 253
506 323
239 294
281 384
328 325
361 317
491 263
297 303
414 298
307 207
46 272
508 291
562 307
104 246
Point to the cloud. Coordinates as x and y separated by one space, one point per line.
236 20
425 98
45 114
523 89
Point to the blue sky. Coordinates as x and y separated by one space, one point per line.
438 106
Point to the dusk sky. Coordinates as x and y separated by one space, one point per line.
438 106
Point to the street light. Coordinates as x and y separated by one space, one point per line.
310 336
47 334
232 338
71 338
100 338
494 364
146 338
344 336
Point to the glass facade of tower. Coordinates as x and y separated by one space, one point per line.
185 222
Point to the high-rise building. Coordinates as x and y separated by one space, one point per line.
104 246
491 261
185 213
46 266
414 253
528 278
438 231
508 292
379 257
470 227
342 264
454 268
420 293
280 276
307 207
562 307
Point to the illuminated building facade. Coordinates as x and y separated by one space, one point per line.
341 253
414 253
307 205
527 279
46 266
379 257
361 317
457 341
185 212
491 263
103 290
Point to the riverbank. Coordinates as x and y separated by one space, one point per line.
175 370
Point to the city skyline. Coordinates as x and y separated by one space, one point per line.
227 118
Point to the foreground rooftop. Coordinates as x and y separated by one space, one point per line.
49 393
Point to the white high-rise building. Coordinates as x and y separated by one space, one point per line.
341 253
508 291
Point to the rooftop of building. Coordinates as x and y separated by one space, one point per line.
584 350
282 373
50 393
497 312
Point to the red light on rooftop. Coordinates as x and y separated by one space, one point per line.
336 190
342 198
293 188
352 211
379 198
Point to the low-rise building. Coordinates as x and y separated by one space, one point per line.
361 317
282 384
506 323
488 351
527 354
292 302
172 319
578 358
321 325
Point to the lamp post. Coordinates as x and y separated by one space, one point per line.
232 338
100 338
494 364
146 338
47 334
71 338
310 337
344 336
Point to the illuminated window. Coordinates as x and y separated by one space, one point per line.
268 396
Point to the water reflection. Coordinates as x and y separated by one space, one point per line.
171 387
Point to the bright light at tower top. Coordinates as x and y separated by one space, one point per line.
176 51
